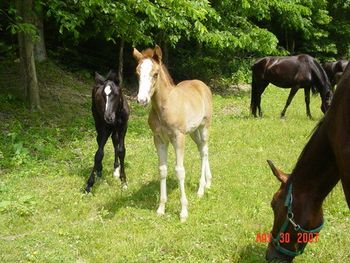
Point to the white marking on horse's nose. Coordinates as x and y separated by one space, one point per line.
145 81
108 90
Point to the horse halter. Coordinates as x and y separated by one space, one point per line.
297 227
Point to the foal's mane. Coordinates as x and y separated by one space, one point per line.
149 53
167 74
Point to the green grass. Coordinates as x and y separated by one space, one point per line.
46 159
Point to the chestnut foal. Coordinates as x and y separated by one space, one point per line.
177 110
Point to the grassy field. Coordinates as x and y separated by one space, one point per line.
46 159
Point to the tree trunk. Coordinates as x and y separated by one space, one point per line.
287 40
39 46
22 63
26 47
121 62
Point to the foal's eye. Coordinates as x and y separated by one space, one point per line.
155 75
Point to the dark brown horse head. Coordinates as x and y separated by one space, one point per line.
295 223
277 204
108 96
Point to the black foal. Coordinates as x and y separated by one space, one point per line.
111 113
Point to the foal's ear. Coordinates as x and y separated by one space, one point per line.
157 55
281 176
136 54
99 79
112 76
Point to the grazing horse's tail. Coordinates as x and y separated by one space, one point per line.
258 71
255 95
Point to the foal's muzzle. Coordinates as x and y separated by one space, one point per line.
109 119
142 102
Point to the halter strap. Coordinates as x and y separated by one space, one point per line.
289 219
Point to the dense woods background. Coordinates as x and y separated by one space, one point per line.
215 41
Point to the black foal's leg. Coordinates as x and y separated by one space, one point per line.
292 93
118 138
102 137
307 102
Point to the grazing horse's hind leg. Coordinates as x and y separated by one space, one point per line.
307 102
292 93
102 137
162 151
179 145
200 136
261 91
258 87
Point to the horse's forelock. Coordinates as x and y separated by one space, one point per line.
148 53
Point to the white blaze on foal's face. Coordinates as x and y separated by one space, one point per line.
107 92
145 82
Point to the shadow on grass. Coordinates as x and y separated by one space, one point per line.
144 198
253 253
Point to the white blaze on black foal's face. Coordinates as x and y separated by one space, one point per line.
112 95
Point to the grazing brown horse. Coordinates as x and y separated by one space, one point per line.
177 110
293 72
111 113
335 70
297 205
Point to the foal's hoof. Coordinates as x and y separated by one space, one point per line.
124 186
200 193
99 173
87 189
208 185
116 172
183 216
161 210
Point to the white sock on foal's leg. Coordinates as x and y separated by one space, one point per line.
163 193
203 182
180 173
208 176
116 172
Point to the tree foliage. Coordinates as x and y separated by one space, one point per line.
253 26
209 30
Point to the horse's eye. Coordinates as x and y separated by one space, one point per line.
155 75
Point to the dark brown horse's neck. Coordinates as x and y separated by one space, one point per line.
315 175
321 82
163 87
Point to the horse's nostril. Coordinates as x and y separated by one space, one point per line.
141 101
109 119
